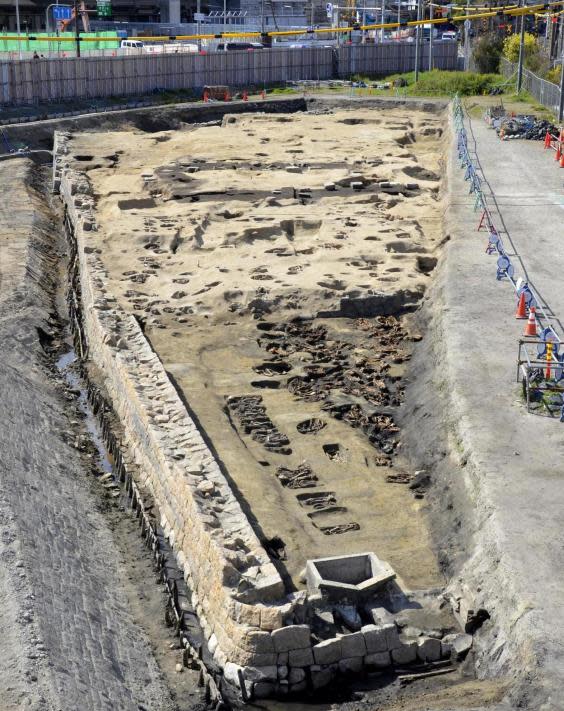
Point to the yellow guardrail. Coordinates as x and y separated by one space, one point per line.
511 10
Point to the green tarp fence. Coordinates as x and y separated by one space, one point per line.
105 40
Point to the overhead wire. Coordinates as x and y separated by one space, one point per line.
511 10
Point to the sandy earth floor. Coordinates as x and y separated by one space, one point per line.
217 237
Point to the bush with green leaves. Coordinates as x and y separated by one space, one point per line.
554 74
533 59
487 53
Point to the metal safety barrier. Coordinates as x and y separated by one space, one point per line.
539 361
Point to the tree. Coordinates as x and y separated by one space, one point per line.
532 50
487 53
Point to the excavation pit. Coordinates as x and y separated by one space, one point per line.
261 397
244 295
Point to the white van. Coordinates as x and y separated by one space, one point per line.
132 46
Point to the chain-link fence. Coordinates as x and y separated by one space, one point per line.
545 92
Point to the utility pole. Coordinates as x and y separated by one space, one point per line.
76 28
382 21
521 51
417 36
18 27
431 6
561 105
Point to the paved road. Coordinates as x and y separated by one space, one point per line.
515 473
67 639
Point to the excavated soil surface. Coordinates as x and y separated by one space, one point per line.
273 262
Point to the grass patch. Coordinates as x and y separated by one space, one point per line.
441 83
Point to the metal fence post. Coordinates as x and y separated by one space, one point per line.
521 52
561 102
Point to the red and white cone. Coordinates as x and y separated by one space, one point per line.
531 325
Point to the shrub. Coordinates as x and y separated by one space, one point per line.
487 53
532 50
554 74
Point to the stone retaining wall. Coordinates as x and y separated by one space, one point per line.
258 635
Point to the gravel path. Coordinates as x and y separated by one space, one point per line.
514 470
68 640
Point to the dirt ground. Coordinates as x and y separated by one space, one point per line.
217 238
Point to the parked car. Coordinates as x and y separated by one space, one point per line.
132 44
231 46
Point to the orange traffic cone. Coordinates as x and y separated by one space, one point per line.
547 140
531 325
558 155
562 161
245 96
521 307
206 97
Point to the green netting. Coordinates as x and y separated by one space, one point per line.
105 40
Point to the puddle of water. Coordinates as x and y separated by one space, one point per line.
65 365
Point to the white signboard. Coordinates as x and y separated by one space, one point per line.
329 8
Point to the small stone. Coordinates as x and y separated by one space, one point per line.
353 645
406 653
263 689
381 616
328 652
428 649
349 616
269 673
179 668
296 675
321 678
300 657
205 487
379 660
352 665
456 645
291 638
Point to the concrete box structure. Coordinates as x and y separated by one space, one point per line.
351 577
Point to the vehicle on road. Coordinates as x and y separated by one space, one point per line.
233 46
132 44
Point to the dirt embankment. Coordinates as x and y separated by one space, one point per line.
72 629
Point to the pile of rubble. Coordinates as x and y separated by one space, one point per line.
521 126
